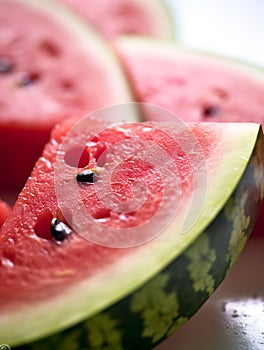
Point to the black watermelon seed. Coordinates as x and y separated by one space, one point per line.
6 65
86 176
59 231
210 111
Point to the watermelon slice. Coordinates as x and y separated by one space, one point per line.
191 85
194 86
52 66
4 212
118 17
94 296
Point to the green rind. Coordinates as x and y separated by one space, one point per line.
155 311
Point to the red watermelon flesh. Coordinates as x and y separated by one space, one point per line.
4 212
193 86
57 284
33 266
118 17
52 66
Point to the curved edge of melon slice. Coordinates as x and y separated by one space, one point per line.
142 49
159 12
88 37
215 240
157 15
141 46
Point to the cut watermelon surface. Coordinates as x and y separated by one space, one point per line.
118 17
86 288
52 66
193 86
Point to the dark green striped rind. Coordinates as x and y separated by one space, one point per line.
155 311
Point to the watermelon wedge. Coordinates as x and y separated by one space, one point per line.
52 66
119 17
193 86
79 294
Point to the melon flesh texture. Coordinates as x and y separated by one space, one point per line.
78 258
52 67
78 278
119 17
193 86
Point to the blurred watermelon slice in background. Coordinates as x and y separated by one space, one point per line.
52 66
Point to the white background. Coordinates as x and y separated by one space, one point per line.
234 28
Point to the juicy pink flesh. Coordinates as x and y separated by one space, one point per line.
53 77
34 267
117 17
195 88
